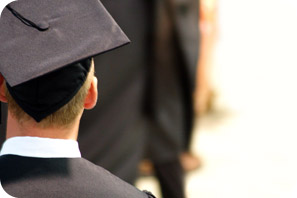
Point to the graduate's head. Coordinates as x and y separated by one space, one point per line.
49 43
56 99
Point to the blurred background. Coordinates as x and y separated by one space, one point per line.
246 133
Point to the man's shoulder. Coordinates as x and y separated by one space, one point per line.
60 177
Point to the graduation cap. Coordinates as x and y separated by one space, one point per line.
45 46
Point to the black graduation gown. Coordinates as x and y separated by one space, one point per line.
61 177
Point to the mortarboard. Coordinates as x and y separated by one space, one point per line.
40 37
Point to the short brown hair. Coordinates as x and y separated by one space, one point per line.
62 117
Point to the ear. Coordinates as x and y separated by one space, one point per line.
2 89
91 98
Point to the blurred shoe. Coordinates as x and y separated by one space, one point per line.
190 162
146 168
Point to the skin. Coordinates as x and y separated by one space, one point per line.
31 128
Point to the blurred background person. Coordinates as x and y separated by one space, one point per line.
204 92
170 92
115 134
146 93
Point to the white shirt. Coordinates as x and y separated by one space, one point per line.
41 147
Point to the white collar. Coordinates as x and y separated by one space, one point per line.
41 147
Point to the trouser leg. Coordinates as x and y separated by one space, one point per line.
171 178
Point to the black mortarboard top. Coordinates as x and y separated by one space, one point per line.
38 37
66 31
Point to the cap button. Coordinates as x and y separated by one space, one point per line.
43 26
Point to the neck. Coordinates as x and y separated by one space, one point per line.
30 128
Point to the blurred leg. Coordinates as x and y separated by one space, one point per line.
171 178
